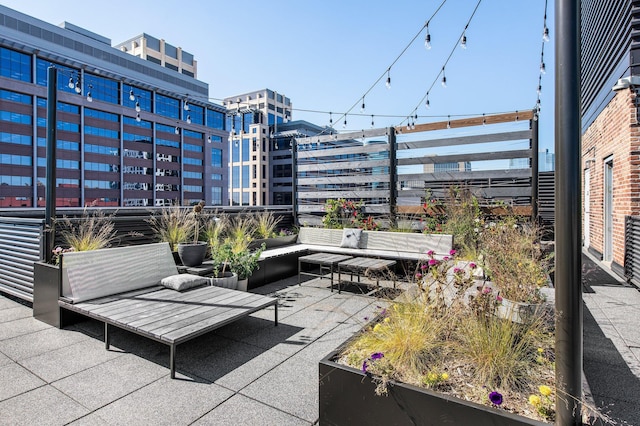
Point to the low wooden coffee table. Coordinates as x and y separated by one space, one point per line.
359 265
326 262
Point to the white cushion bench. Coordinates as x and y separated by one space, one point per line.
119 286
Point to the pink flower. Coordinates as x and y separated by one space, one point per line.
457 270
499 298
452 252
486 290
430 253
423 266
433 262
445 258
472 265
418 275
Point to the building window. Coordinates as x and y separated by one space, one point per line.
15 117
245 150
100 167
216 196
102 115
15 160
245 176
15 65
15 138
196 113
193 161
235 152
8 95
142 97
215 119
235 177
191 147
102 89
167 107
96 131
216 157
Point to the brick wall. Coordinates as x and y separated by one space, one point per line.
616 134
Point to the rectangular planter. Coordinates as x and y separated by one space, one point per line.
347 397
47 287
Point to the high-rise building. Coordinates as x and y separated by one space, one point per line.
253 118
162 53
130 132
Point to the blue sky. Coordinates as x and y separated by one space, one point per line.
324 55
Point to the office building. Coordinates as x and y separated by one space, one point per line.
130 132
162 53
253 119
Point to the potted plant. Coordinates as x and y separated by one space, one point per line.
265 224
243 263
92 231
193 253
174 225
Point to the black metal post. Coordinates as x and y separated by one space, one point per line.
568 215
393 177
535 173
50 190
294 175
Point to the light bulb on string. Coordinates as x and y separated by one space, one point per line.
463 41
138 119
177 130
543 68
388 83
138 106
89 97
188 119
427 39
209 138
427 104
330 119
132 96
484 120
444 79
545 34
448 121
186 105
517 115
71 85
372 124
344 124
539 89
362 107
78 89
408 123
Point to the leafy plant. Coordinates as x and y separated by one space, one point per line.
174 225
513 259
215 228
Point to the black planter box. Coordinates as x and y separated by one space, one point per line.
347 397
47 288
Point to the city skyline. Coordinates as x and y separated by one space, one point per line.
326 56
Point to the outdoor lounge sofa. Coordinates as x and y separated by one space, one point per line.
121 287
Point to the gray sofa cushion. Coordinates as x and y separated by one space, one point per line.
181 282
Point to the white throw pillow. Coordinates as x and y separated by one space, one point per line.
183 282
351 238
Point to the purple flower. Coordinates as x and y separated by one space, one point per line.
495 398
486 290
445 258
430 253
365 366
423 266
418 275
384 312
433 262
452 252
472 265
499 298
376 356
457 270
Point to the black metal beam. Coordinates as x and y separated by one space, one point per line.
568 214
393 176
52 137
534 166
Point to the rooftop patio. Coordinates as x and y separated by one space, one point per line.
251 372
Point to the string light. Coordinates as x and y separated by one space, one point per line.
427 104
484 120
388 83
89 97
427 38
517 116
362 108
132 96
344 125
330 119
372 121
463 41
188 119
448 121
545 34
209 138
71 85
78 89
444 79
543 68
186 105
177 130
138 119
138 104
